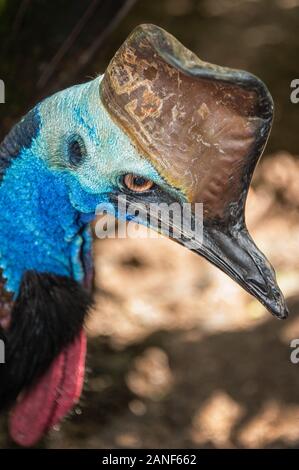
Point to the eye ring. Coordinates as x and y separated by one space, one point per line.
137 184
76 150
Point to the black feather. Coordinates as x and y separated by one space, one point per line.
20 137
47 315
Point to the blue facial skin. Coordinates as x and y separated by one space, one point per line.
46 203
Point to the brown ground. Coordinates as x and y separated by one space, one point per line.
179 355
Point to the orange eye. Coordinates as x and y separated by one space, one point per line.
137 183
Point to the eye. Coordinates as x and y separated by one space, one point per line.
76 150
137 183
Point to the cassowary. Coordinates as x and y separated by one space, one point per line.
160 126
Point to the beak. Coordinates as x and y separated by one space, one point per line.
236 254
228 247
204 128
231 249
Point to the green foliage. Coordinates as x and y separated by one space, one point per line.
2 5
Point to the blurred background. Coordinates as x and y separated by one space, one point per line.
179 355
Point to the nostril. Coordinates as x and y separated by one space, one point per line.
259 285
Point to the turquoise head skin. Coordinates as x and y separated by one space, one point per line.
109 151
47 197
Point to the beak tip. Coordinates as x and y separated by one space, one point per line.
280 310
284 314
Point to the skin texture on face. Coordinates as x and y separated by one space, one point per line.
109 151
56 190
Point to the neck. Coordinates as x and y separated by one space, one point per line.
40 228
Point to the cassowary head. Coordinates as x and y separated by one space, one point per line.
160 126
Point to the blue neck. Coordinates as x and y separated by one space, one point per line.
40 228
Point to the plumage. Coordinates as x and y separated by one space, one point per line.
193 130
